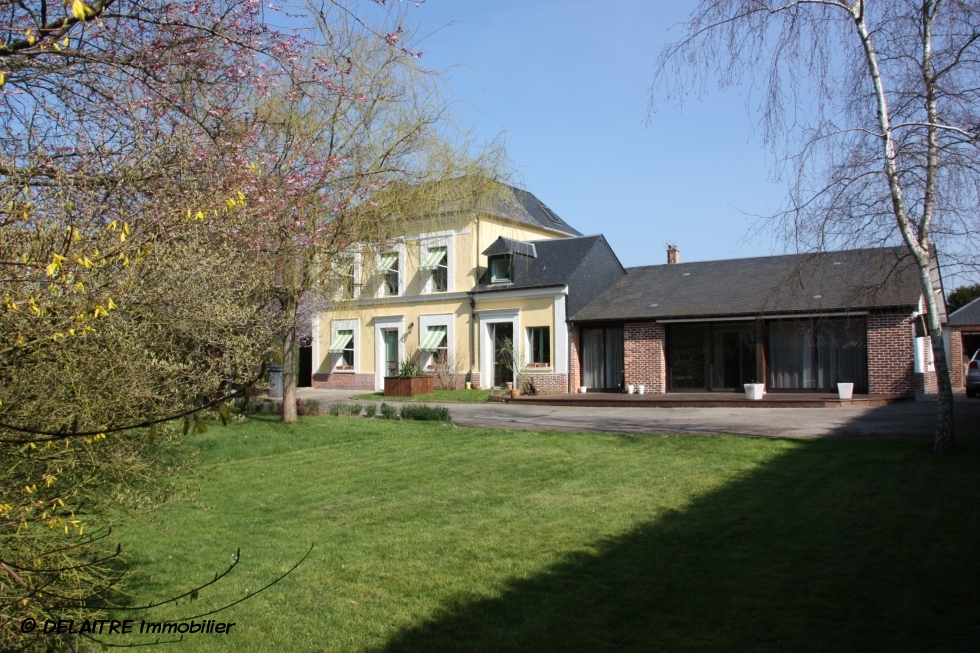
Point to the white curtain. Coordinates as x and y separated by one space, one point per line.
593 358
790 355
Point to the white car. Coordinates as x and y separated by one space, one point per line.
973 375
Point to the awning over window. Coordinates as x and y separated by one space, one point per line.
433 338
340 343
433 258
388 262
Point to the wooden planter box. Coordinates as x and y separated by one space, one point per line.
396 386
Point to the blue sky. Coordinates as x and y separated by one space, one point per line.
567 83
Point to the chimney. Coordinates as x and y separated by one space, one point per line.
673 254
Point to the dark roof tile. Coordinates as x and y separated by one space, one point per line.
826 281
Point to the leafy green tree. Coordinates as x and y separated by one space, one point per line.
961 296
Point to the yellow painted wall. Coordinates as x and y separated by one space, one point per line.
470 237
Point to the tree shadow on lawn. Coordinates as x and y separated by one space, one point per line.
834 546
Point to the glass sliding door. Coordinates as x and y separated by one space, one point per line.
732 355
688 355
818 354
711 356
602 358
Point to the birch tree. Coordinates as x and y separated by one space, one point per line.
871 107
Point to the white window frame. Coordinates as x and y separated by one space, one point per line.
510 267
357 276
425 276
394 322
526 364
447 320
487 320
379 290
559 336
345 325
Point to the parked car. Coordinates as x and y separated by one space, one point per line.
973 375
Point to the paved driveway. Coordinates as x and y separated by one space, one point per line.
912 419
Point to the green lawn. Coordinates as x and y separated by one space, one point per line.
433 538
442 396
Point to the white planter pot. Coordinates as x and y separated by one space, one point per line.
639 389
845 390
629 389
582 389
754 391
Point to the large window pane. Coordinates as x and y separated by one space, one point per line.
790 355
817 354
733 355
593 359
614 358
688 351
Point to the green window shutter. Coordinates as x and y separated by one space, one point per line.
434 257
433 338
388 262
340 343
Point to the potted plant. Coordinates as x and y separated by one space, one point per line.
411 380
754 391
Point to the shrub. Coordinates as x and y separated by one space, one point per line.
388 412
425 413
370 410
334 409
352 410
312 407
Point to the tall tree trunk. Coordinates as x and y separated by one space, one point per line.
943 441
289 362
917 243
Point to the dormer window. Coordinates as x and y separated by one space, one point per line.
500 268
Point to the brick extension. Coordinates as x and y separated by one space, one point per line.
549 384
644 356
574 360
891 354
341 381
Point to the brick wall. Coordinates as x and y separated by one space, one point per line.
956 373
338 381
891 354
574 360
644 356
549 384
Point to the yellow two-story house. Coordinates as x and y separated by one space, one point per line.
455 293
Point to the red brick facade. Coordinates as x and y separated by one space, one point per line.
891 354
644 356
574 360
549 384
344 381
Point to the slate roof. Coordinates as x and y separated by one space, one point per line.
522 206
968 315
857 279
556 261
510 246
